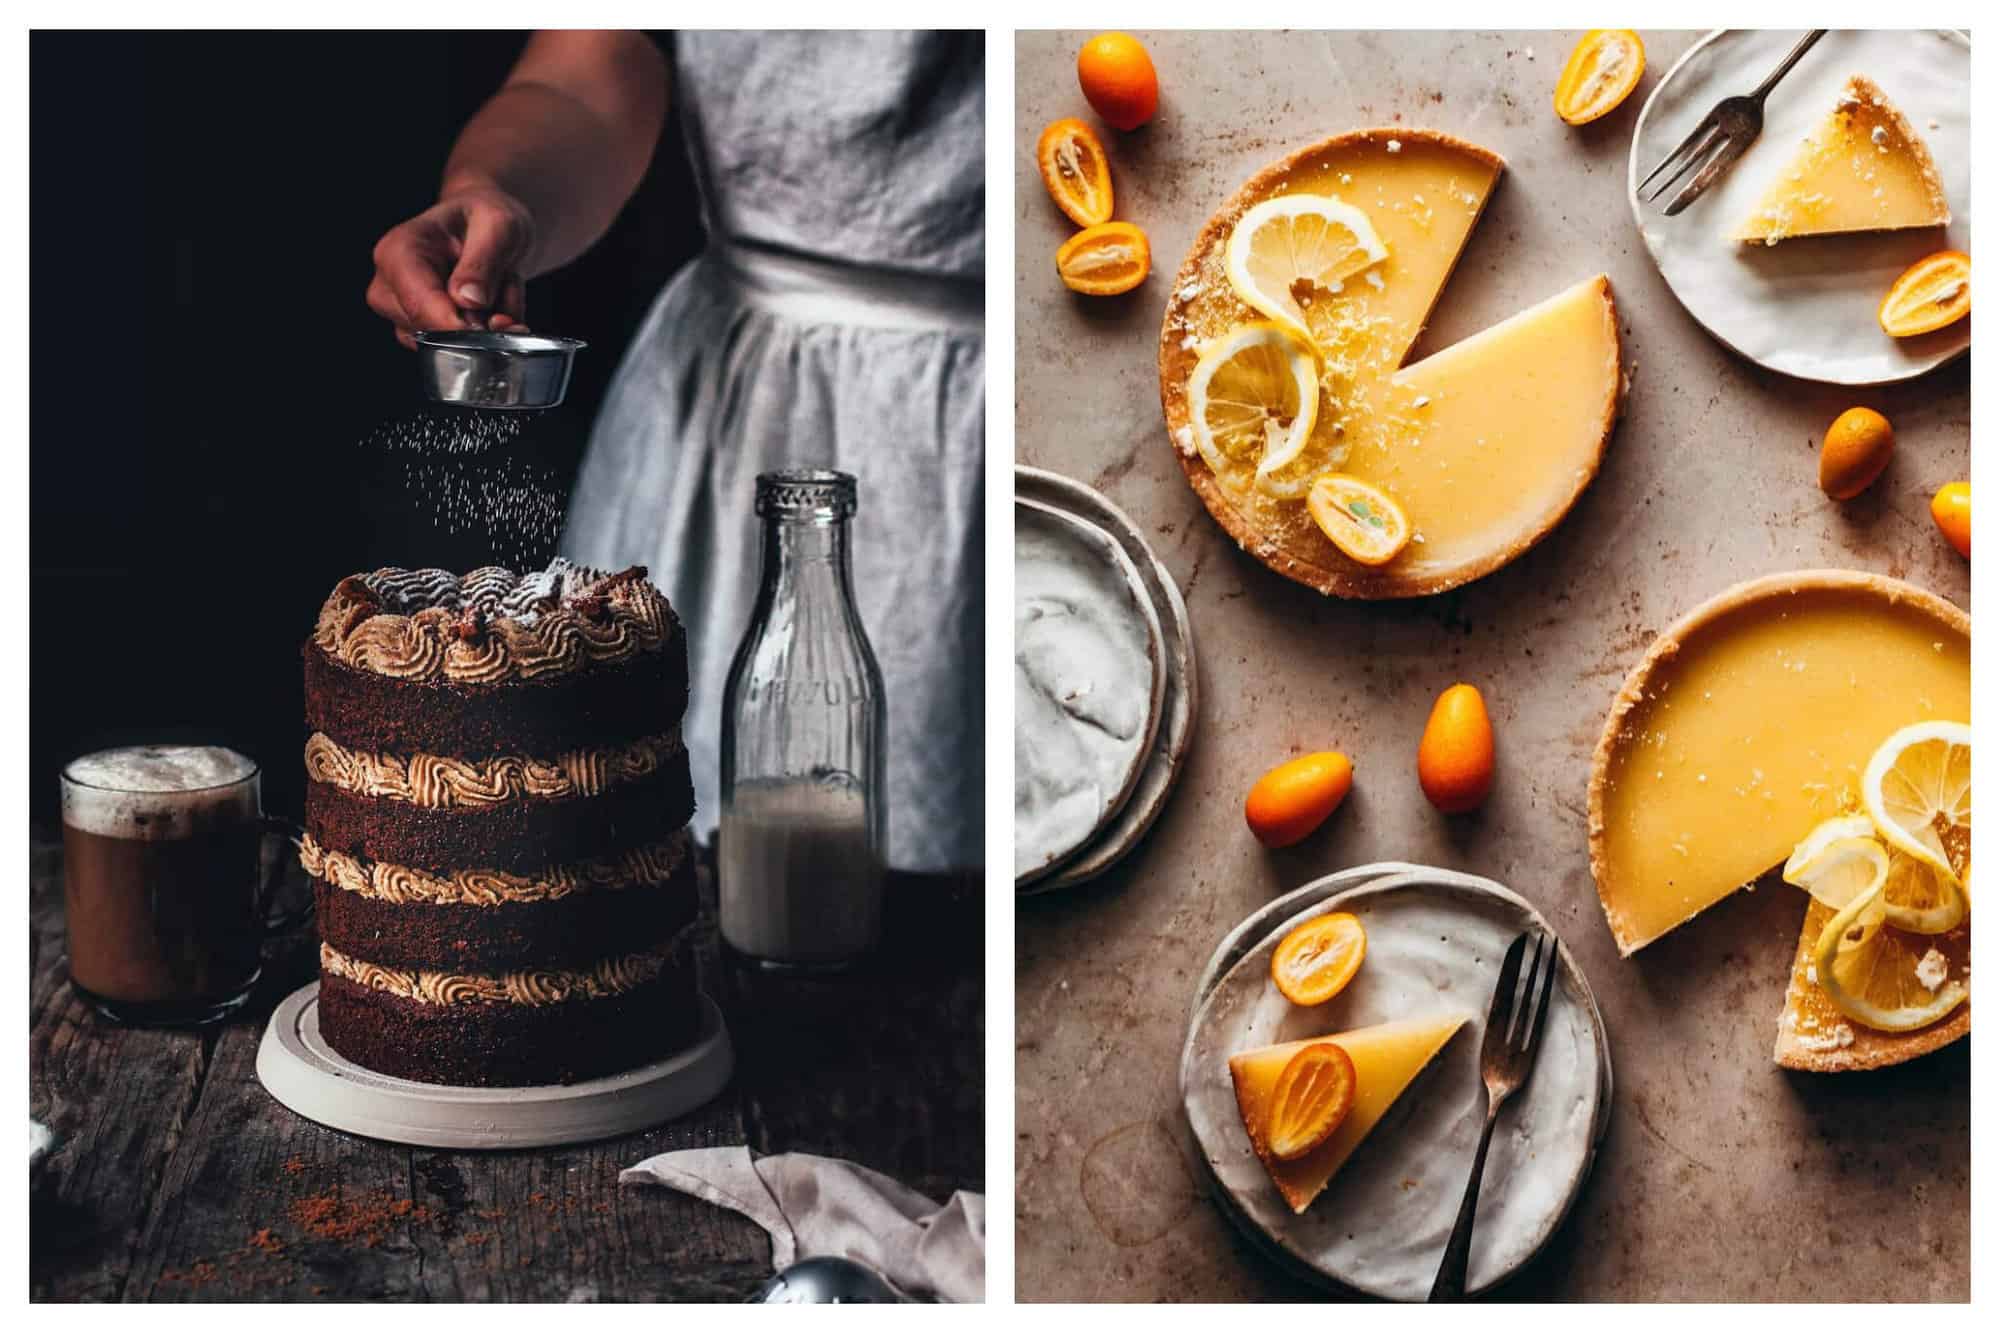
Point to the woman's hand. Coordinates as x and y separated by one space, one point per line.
467 254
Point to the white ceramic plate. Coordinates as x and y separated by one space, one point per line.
1089 682
297 1067
1435 940
1806 307
1163 765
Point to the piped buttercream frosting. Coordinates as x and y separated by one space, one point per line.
439 782
491 625
612 976
641 866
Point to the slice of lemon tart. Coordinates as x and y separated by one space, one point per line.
1864 168
1798 720
1387 1059
1343 249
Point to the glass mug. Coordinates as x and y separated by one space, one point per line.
164 906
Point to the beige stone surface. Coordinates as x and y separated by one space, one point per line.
1723 1177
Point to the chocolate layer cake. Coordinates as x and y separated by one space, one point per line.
497 801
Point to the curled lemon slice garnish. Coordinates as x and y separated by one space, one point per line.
1839 862
1252 401
1314 1093
1876 976
1844 858
1918 790
1290 252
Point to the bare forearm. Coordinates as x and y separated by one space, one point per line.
570 136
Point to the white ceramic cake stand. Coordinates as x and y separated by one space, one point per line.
297 1067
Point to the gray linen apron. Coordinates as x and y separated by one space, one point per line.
834 321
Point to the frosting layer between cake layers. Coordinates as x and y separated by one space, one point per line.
496 807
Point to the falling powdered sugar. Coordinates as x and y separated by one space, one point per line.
455 466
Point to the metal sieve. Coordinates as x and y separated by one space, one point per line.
485 368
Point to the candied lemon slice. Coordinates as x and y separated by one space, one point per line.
1362 520
1317 958
1876 975
1076 171
1601 73
1931 293
1296 249
1105 260
1315 1091
1252 399
1918 790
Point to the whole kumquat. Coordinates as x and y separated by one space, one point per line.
1118 80
1951 509
1295 798
1455 757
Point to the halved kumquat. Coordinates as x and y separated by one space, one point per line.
1076 171
1601 73
1362 520
1933 292
1315 1092
1317 958
1105 260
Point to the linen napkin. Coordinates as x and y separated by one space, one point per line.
821 1205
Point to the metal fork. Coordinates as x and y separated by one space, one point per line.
1724 135
1506 1057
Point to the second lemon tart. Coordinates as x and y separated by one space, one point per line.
1484 445
1749 722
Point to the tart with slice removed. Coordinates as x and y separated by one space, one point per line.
1485 445
1746 731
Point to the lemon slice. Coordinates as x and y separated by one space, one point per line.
1252 400
1838 863
1918 790
1919 897
1915 895
1874 975
1296 249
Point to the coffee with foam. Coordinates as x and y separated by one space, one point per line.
155 792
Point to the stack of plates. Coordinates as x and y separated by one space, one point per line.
1104 683
1435 941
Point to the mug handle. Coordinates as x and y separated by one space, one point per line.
282 922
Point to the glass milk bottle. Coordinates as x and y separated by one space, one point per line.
803 731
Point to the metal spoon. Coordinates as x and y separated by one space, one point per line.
827 1280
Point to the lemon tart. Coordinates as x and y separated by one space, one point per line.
1749 722
1863 169
1387 1059
1485 445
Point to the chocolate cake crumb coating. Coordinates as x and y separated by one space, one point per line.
496 810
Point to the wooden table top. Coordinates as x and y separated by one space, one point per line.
177 1177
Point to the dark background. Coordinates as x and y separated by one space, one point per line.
204 370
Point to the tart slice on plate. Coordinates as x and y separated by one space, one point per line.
1387 1059
1865 168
